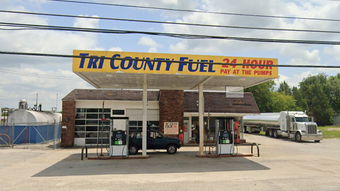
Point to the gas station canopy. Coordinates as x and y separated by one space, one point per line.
126 70
133 70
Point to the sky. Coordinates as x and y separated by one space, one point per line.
23 77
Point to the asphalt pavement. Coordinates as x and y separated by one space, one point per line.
283 165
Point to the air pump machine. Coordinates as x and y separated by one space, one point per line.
225 137
119 134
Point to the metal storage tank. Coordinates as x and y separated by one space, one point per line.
29 126
23 115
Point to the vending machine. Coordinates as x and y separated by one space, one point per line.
225 137
119 134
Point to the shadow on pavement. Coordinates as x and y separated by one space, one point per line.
159 162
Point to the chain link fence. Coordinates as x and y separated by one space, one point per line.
30 135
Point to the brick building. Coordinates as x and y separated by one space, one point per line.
83 111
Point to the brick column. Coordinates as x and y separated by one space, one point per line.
68 120
171 108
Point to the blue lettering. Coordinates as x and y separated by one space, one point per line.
122 64
135 64
168 64
190 66
202 66
82 60
180 66
210 69
149 64
159 63
93 62
112 63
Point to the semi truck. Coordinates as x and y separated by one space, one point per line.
290 124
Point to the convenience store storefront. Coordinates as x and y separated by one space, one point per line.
89 103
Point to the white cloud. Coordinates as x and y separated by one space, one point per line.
19 18
333 51
24 76
293 80
62 42
86 23
193 46
115 49
24 83
42 41
299 56
175 4
170 2
179 47
147 41
152 49
38 1
287 8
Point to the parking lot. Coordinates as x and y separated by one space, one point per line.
283 165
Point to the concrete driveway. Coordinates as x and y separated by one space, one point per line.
283 165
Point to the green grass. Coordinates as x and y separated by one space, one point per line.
330 132
262 133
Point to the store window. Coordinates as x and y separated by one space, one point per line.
133 125
90 126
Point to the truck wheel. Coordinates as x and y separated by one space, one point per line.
133 149
171 149
298 137
317 141
245 130
275 134
267 133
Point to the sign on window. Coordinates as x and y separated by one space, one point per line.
171 128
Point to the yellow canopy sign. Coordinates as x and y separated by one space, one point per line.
157 63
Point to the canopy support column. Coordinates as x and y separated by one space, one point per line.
145 114
201 118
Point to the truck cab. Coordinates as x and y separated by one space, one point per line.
295 124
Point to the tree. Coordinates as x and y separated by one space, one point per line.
284 88
263 95
283 102
334 86
316 91
301 103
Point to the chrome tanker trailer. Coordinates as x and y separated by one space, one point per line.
291 124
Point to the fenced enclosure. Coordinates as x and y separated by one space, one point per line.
30 134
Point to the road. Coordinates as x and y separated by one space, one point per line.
283 165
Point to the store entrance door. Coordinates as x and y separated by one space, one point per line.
186 129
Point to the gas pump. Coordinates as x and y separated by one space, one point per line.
119 136
225 138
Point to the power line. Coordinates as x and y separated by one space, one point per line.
166 22
175 35
196 11
134 59
36 75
